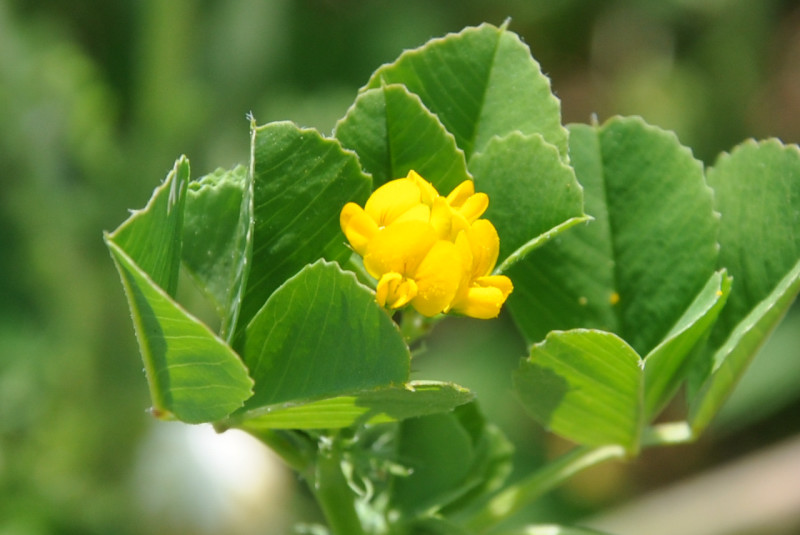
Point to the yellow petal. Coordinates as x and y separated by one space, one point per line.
481 303
357 226
465 254
458 223
419 212
441 218
465 201
484 298
485 244
400 247
437 278
461 193
427 191
474 207
501 282
395 291
392 200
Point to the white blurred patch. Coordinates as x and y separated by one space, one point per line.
192 479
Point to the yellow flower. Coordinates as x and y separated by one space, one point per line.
414 267
428 251
412 198
466 206
480 294
403 199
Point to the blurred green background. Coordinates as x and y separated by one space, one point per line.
98 98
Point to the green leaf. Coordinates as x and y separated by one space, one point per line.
757 192
215 238
668 364
150 236
300 183
392 132
531 191
453 458
731 360
492 463
193 375
438 453
770 383
481 82
319 335
381 405
584 385
636 268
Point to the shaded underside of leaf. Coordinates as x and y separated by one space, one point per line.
213 234
438 452
481 82
382 405
392 132
584 385
452 457
322 334
193 375
650 249
301 181
531 190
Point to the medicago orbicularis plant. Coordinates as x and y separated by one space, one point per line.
635 270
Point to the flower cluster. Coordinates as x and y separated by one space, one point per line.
429 251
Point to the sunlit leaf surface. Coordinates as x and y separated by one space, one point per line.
531 191
481 82
320 335
668 364
650 249
300 183
584 385
193 375
150 236
757 191
380 405
393 132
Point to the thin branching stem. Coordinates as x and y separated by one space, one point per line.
333 494
527 490
668 434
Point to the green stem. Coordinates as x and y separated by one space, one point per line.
668 434
414 327
296 450
548 529
320 464
517 496
334 495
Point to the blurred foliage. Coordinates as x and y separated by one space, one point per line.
101 97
